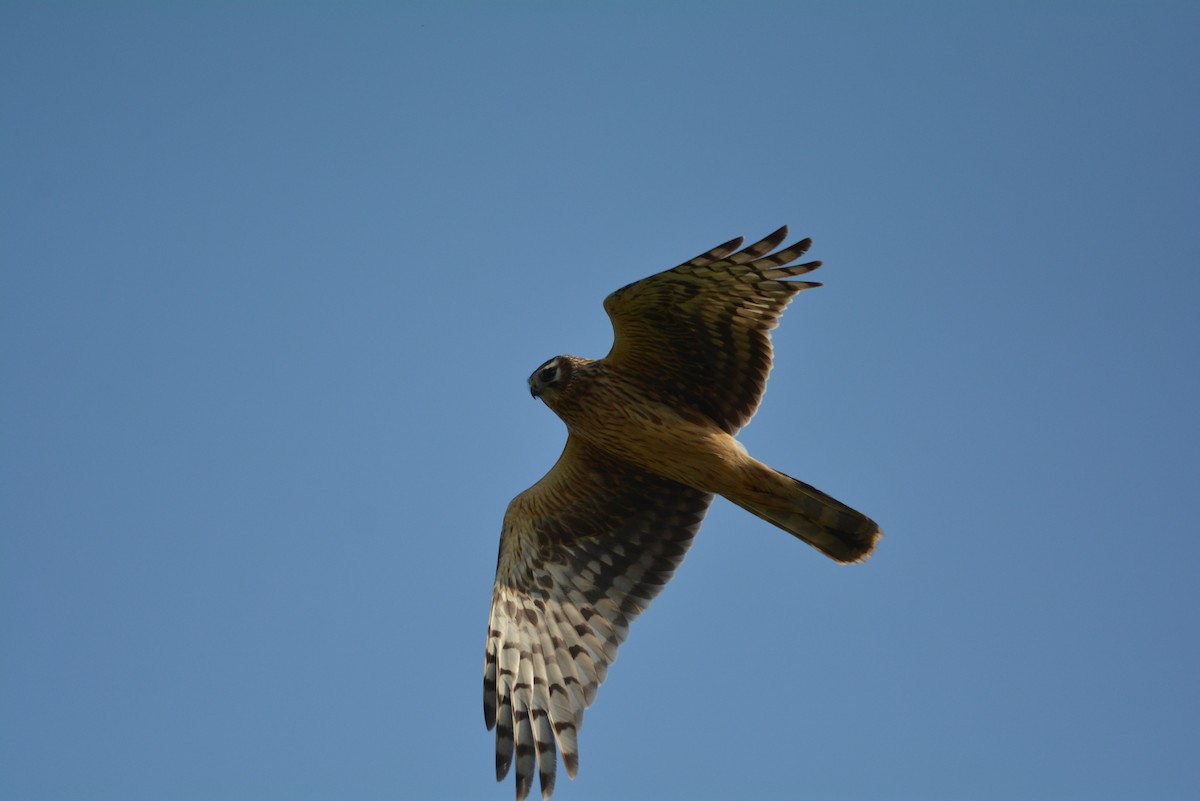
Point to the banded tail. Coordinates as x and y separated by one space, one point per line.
805 512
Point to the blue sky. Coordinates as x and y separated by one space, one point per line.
272 277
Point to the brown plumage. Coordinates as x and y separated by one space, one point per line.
650 441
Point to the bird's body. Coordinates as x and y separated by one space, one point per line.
650 442
621 417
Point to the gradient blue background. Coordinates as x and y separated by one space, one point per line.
273 277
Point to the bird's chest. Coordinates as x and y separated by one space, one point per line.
620 413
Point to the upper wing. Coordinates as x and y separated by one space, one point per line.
699 332
582 552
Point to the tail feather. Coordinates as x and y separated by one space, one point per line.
805 512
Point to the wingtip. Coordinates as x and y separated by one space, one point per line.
524 784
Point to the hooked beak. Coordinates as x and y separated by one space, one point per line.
535 389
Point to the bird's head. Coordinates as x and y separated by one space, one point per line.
550 377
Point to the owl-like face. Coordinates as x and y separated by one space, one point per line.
550 375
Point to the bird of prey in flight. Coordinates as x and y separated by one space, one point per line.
650 441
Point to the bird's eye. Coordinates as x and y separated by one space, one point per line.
547 375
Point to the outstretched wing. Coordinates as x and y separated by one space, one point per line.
582 552
699 332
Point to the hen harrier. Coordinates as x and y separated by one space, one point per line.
650 441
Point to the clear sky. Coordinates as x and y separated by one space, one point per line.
272 277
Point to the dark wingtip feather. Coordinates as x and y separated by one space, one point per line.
546 780
524 784
502 765
715 254
489 694
776 236
760 248
504 749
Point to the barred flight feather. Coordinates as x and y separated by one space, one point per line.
550 642
677 324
